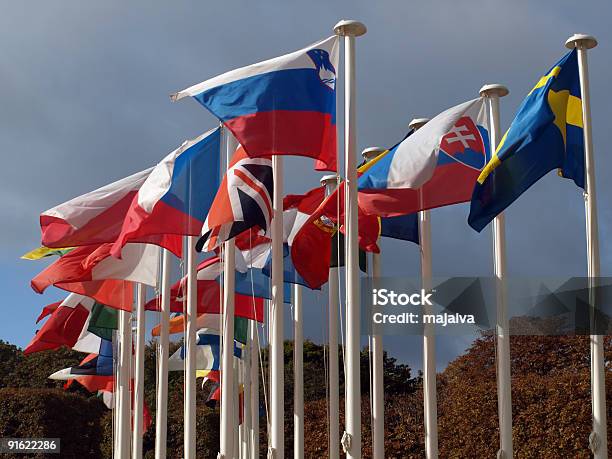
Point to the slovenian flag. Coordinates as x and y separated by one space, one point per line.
433 167
177 195
282 106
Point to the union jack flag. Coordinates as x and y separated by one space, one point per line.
244 201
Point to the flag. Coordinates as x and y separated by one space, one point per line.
100 364
208 320
209 300
546 134
176 196
282 106
77 322
90 271
96 217
43 252
435 166
311 250
207 352
403 227
243 201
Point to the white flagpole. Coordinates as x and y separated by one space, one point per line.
228 422
246 422
161 416
254 400
298 374
139 373
277 366
331 183
125 351
504 392
352 435
430 399
376 352
190 348
235 396
598 440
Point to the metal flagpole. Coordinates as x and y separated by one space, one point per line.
430 399
277 366
161 415
246 419
598 440
331 183
190 347
504 392
228 422
377 390
351 441
254 401
298 374
139 373
125 351
235 396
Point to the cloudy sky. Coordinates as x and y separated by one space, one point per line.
84 101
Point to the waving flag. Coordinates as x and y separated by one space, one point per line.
44 252
282 106
546 134
243 201
433 167
208 320
100 364
176 196
90 271
311 247
77 322
96 217
207 352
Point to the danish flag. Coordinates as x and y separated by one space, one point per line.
244 201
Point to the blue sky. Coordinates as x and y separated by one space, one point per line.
84 99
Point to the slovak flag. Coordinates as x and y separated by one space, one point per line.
176 196
243 201
433 167
282 106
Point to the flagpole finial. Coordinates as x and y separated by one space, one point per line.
417 123
329 179
580 40
349 27
371 153
494 90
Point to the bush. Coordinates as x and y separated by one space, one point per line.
53 413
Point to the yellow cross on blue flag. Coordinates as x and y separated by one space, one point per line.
546 134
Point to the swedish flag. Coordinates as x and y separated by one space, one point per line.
546 134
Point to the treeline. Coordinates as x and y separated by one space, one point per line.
550 398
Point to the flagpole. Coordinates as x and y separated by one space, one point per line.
161 415
254 401
430 399
228 422
598 441
277 392
124 418
351 441
190 348
331 183
246 419
504 391
298 374
376 352
236 401
139 373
